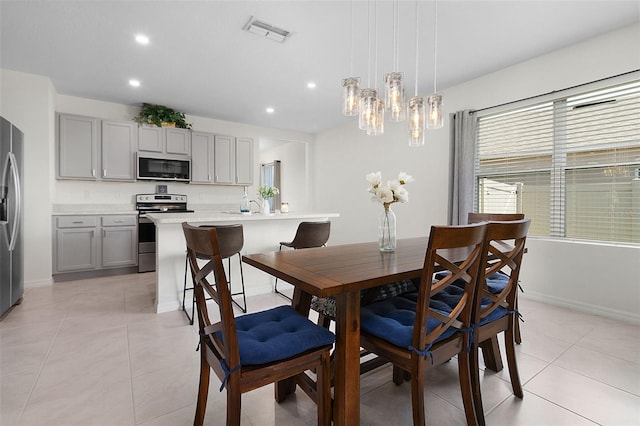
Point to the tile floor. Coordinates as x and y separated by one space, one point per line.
92 352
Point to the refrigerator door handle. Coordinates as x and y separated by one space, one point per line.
12 164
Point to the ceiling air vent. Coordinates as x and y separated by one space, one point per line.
266 30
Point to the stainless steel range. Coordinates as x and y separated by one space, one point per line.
154 203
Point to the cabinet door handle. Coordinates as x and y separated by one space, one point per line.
77 221
93 172
118 221
104 172
104 233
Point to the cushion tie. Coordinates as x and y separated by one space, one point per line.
515 311
471 331
426 352
227 373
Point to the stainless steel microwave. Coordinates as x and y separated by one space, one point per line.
163 167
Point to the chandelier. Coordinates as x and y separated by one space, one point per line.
422 113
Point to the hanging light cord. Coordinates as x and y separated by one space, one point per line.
395 35
375 34
351 39
416 14
435 46
368 44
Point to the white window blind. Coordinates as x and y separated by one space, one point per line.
571 165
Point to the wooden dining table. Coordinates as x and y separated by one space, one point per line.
344 271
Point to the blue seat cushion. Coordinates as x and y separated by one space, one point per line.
392 320
277 334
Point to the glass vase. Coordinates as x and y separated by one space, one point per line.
387 230
265 208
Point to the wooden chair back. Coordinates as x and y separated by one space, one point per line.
493 217
502 254
202 243
441 239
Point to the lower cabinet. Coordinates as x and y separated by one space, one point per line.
87 243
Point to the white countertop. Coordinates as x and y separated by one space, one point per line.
93 209
217 216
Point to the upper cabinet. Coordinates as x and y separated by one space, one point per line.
118 150
202 159
244 161
224 154
78 141
221 159
90 148
164 140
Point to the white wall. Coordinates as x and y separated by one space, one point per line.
341 158
27 101
294 173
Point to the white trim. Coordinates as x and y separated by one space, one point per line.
582 307
39 283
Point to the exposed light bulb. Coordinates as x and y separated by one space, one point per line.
436 119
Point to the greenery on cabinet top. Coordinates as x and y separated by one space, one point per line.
159 114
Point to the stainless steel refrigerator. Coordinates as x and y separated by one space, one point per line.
11 216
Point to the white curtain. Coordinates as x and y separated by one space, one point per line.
462 159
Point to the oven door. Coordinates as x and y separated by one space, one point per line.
146 245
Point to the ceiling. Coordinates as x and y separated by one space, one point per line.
200 61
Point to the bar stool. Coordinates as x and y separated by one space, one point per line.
308 235
231 241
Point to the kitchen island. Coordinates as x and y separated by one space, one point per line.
262 233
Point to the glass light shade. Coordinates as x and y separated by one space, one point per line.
417 118
435 118
350 96
367 108
394 100
376 124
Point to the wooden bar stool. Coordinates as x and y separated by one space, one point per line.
231 242
308 235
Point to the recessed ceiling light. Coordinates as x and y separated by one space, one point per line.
134 83
270 110
142 39
311 85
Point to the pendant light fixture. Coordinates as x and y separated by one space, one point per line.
371 116
350 85
435 118
416 104
394 81
376 123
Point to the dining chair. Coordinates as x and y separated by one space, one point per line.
231 242
308 235
494 307
415 332
256 349
500 217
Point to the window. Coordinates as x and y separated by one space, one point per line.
571 165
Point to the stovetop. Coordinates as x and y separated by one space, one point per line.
162 203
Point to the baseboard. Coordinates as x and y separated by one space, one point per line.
39 283
98 273
168 307
582 307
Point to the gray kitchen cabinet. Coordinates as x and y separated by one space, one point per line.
86 243
202 157
244 161
119 241
233 160
78 146
119 144
76 244
178 141
224 154
150 139
164 140
93 149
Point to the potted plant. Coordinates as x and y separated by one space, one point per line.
161 115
